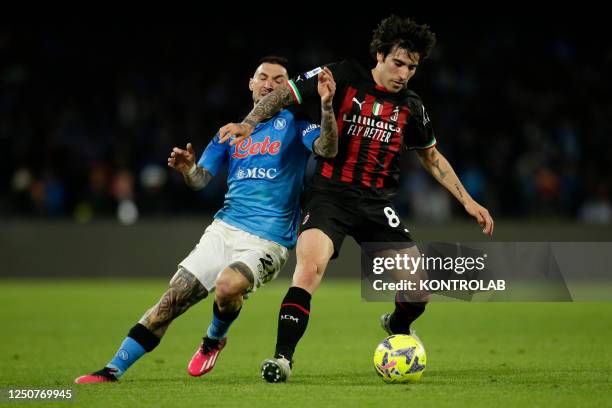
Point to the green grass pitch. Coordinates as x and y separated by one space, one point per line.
479 354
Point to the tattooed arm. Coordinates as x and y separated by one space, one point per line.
197 178
183 161
185 291
267 107
441 170
326 145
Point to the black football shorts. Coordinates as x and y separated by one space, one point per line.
365 217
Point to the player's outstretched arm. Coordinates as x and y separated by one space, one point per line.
437 165
326 145
267 107
183 161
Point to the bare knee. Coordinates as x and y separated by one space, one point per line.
314 249
228 289
233 282
307 275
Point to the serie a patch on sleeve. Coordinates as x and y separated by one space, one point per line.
313 72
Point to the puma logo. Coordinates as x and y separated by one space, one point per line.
358 103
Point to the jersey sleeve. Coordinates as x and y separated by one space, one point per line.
419 133
309 132
304 86
214 156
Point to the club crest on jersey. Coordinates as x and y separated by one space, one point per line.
395 115
248 148
280 123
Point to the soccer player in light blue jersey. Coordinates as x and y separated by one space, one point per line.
249 240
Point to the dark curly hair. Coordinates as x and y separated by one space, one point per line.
404 33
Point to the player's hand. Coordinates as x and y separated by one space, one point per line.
240 130
482 216
326 87
182 160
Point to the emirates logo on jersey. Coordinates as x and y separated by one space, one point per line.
365 126
248 148
366 116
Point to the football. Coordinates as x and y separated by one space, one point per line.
400 359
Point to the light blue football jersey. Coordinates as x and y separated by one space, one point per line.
265 176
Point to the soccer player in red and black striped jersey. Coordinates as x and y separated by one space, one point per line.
377 118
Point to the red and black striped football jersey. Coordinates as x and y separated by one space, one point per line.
374 127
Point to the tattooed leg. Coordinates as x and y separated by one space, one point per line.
185 291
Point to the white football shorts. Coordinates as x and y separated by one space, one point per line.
223 244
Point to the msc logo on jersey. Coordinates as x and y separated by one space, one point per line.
280 123
256 173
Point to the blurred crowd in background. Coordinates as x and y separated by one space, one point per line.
89 114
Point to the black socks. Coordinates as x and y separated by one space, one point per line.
144 337
404 314
292 321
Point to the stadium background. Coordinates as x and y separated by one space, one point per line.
89 113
